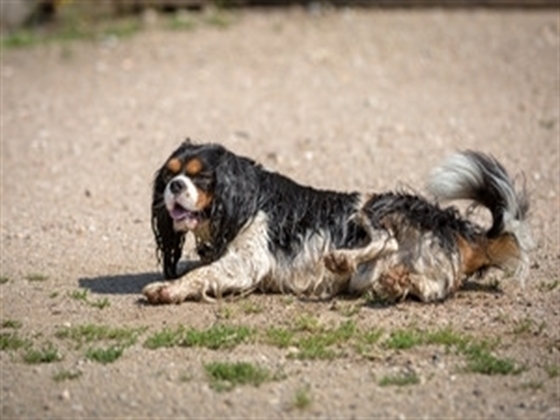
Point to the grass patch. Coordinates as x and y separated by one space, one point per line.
12 341
47 354
89 333
219 336
105 355
66 375
225 376
552 371
480 360
548 286
400 380
250 308
4 280
302 398
82 295
403 339
279 337
11 323
317 345
37 277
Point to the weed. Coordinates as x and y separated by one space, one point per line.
11 323
88 333
251 308
279 337
4 280
100 303
185 377
400 380
47 354
316 345
216 337
106 355
446 337
181 22
66 375
302 398
480 360
36 277
523 326
548 286
164 338
82 295
552 371
532 385
12 341
403 339
307 322
225 376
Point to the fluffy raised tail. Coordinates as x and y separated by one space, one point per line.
479 177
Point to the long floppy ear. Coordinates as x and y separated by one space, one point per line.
169 242
236 194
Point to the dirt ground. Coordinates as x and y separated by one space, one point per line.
348 99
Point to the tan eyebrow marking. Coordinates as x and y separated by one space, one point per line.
194 166
174 165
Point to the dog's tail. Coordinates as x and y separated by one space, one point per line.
481 178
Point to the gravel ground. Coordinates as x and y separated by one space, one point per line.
364 99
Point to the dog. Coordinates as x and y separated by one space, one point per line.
258 230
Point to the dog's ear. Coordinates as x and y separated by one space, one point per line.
235 201
169 242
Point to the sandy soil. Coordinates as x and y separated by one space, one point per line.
367 100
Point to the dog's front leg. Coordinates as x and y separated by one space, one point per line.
228 275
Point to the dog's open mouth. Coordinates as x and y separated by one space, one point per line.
189 218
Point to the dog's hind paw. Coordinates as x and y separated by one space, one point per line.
339 262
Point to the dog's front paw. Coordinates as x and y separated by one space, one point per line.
339 263
161 293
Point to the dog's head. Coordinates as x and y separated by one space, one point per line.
204 189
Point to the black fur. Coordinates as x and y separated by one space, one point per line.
400 212
241 188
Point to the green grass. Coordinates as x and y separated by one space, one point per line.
47 354
318 342
105 355
66 375
219 336
279 337
11 323
480 360
36 277
250 308
225 376
82 295
302 398
552 371
399 380
12 341
89 333
403 339
548 286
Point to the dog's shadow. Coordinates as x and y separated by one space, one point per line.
129 284
121 284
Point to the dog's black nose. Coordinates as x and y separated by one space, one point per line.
177 186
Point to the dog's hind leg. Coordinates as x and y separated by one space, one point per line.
346 261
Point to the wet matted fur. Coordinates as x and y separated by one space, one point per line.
259 230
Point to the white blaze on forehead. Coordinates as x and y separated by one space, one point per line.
187 198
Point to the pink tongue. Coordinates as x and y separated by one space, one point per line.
179 213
